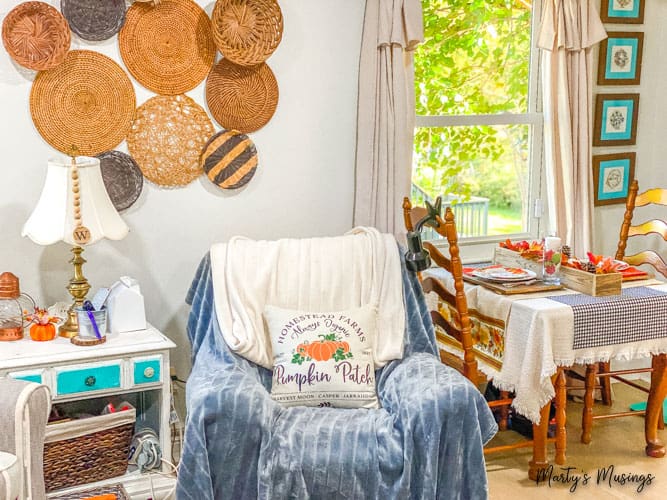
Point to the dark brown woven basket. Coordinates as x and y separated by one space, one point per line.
91 457
122 178
247 32
94 20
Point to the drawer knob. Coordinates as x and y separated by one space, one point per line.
149 372
90 381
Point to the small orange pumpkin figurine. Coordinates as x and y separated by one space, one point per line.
43 327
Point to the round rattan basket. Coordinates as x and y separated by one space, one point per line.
36 35
166 138
168 47
87 102
94 20
229 159
247 32
243 98
122 178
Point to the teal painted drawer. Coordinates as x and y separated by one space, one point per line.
147 370
90 378
27 376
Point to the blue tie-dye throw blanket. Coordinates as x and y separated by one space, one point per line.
426 442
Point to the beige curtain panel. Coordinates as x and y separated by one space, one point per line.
385 114
568 31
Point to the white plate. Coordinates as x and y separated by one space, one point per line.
504 274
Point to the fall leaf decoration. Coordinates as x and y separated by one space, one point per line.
531 251
597 264
328 347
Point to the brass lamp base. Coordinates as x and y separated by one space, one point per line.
78 288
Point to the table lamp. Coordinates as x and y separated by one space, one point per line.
74 207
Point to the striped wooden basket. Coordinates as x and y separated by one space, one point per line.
229 159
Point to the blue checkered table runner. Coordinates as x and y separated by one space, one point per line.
639 313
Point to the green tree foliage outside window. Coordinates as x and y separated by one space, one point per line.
474 61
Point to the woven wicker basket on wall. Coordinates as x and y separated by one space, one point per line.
36 35
247 32
87 450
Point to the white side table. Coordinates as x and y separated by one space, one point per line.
131 366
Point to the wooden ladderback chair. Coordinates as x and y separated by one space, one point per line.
630 227
459 326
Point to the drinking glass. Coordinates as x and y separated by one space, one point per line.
551 260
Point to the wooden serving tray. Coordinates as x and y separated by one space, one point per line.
514 288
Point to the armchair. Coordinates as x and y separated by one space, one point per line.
24 410
426 441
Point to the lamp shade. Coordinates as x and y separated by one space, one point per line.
53 217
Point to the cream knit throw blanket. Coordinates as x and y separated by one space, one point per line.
313 275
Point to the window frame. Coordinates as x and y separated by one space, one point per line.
480 249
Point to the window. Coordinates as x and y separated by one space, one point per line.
478 132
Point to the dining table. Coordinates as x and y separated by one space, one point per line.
525 339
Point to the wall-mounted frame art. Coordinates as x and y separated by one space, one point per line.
613 174
615 121
620 61
622 11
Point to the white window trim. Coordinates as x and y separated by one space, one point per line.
480 249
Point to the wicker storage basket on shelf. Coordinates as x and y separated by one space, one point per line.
87 450
247 32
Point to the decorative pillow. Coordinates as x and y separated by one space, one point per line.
323 358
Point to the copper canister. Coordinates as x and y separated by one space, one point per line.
11 315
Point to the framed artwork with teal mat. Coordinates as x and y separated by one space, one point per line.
622 11
615 121
612 175
642 406
620 61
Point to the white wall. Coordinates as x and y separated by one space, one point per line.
651 147
303 185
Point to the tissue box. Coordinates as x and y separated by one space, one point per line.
125 306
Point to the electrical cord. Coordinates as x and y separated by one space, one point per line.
175 421
172 473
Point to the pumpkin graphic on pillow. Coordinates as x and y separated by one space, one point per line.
329 347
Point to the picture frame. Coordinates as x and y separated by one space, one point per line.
620 61
622 11
612 174
615 122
